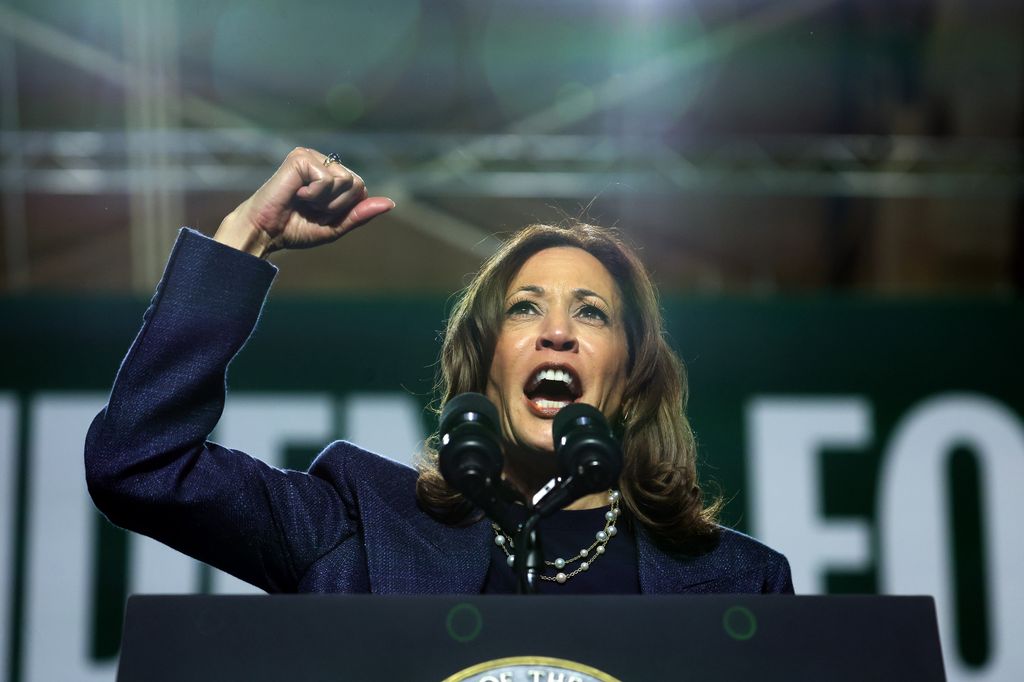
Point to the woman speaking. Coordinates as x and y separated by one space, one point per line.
559 315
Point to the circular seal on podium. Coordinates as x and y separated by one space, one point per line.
530 669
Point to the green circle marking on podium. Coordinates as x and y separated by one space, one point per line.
739 623
471 622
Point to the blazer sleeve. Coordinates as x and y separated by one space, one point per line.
148 464
778 578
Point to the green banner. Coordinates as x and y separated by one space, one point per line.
879 444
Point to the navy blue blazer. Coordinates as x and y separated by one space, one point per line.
350 523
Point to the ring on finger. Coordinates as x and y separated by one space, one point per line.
331 158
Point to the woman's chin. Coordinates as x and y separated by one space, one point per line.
535 437
535 453
538 440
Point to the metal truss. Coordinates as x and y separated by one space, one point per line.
547 166
175 141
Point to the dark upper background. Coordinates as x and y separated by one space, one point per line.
768 147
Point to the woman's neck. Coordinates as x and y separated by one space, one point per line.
592 501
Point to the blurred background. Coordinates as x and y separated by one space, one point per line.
827 192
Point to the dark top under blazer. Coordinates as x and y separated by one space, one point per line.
349 524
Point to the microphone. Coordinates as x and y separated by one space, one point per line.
470 456
588 453
589 458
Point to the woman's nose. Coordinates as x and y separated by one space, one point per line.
557 334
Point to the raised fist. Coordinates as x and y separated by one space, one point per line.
310 200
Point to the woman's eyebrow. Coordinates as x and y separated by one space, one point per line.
584 293
578 294
530 288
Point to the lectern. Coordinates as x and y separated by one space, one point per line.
529 639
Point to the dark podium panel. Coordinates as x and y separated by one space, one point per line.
628 638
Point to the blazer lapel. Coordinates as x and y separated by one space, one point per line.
410 553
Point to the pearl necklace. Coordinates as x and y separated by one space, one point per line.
596 548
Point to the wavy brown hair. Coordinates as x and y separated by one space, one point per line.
659 476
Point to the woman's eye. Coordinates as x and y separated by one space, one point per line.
592 312
522 308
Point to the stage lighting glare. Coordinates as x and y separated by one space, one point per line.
576 60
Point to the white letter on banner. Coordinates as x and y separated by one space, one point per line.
913 516
386 423
61 542
8 498
263 425
786 438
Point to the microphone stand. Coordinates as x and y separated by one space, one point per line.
496 503
529 562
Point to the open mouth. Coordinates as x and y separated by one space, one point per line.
552 387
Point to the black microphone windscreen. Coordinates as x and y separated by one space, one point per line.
469 402
571 415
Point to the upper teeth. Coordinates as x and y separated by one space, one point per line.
555 375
